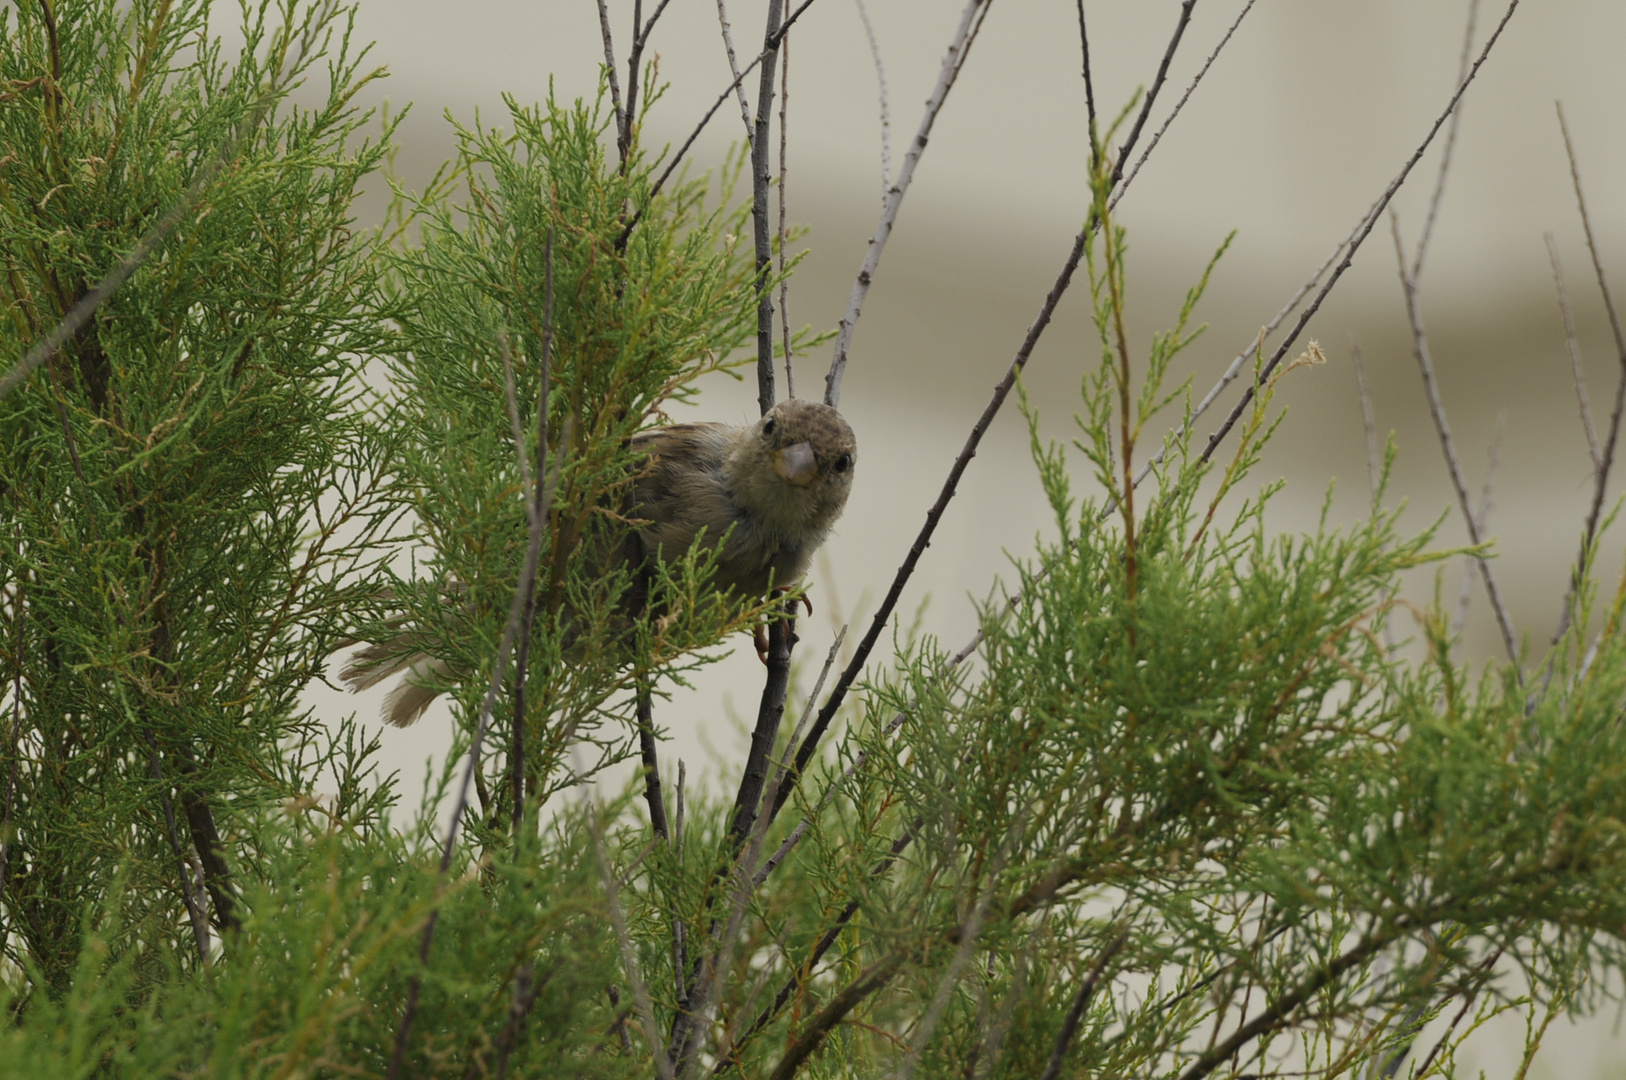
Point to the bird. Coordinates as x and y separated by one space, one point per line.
764 495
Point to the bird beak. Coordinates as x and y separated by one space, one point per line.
796 464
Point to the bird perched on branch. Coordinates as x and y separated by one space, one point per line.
766 493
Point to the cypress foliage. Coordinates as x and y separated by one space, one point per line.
1185 813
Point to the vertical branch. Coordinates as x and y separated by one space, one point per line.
189 891
1572 345
615 84
1089 88
970 22
1374 462
759 207
17 608
1601 480
538 514
649 758
1442 428
1486 492
886 106
784 233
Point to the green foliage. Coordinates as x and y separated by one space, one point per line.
1186 812
187 491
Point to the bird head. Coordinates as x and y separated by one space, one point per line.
794 467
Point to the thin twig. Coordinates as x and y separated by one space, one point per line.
967 933
1181 104
761 230
839 1005
1151 95
677 159
1374 462
784 230
1446 151
1089 88
629 955
1081 1002
886 106
805 971
1486 491
734 67
1601 480
1453 464
1359 237
959 48
1573 345
18 606
538 515
615 85
649 758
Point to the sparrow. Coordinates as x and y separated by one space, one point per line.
765 495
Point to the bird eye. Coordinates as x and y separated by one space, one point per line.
843 463
767 427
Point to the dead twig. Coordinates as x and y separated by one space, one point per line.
1572 345
1453 464
959 48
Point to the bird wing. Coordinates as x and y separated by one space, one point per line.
681 489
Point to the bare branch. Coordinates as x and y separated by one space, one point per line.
615 85
1486 491
1158 136
1601 480
1573 346
1453 465
784 230
1180 25
734 67
959 48
1450 145
677 159
759 208
1354 244
1089 85
1374 462
886 107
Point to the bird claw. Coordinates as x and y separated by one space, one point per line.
760 638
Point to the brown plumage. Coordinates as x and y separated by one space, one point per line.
774 488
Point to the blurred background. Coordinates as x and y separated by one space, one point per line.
1301 122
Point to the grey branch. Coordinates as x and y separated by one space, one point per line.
1450 145
1448 447
886 107
1156 137
1601 481
734 67
970 22
1573 345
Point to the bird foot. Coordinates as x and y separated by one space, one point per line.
760 638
